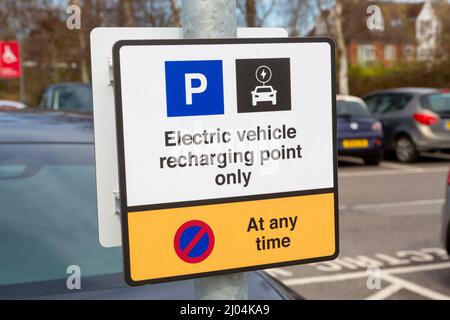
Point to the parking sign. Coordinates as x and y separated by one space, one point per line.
194 88
227 155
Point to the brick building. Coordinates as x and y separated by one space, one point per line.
384 32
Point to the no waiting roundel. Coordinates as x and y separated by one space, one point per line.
194 241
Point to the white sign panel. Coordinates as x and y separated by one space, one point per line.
227 155
180 157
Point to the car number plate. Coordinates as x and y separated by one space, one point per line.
355 143
447 125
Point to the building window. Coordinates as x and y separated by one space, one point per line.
389 53
366 53
397 22
408 52
424 53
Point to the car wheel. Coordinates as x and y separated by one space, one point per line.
405 150
372 161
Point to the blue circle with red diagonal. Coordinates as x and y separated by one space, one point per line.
194 241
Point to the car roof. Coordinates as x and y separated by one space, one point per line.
349 98
410 90
69 84
41 126
11 102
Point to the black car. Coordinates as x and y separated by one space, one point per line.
49 219
70 96
414 120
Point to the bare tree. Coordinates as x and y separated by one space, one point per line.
442 9
299 15
294 18
126 13
83 62
175 13
250 13
267 12
342 49
256 13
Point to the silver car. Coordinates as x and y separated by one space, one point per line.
414 120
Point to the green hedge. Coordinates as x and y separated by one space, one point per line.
365 79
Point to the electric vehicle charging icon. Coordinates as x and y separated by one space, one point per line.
264 93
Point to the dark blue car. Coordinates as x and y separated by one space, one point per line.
359 133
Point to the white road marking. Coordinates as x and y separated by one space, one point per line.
436 155
322 279
363 274
279 272
424 292
401 167
368 173
385 292
351 159
395 204
400 258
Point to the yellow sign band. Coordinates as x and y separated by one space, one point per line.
246 234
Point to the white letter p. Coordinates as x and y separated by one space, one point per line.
188 77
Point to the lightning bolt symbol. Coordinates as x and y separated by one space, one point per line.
263 73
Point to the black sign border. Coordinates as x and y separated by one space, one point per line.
125 210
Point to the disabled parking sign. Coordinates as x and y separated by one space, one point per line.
227 155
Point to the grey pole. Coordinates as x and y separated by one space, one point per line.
22 75
214 19
209 18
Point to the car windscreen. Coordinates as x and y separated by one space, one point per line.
438 102
351 109
73 97
48 213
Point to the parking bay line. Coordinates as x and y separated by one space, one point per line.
385 292
363 274
368 173
436 155
401 167
405 284
395 204
279 272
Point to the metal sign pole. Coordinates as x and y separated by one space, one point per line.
22 75
214 19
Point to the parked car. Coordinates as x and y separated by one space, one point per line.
67 97
11 105
359 133
445 233
414 120
49 217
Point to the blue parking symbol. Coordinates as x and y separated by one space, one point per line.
194 88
